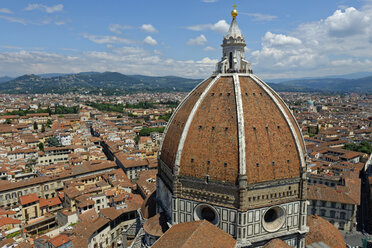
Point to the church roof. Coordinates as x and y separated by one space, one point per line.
323 231
231 125
195 234
276 243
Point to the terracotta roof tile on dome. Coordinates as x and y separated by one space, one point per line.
208 139
195 234
156 225
270 144
148 208
323 231
276 243
209 145
170 144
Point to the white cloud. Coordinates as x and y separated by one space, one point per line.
48 9
5 11
13 19
104 39
199 40
220 27
260 17
209 48
127 60
338 44
148 28
150 41
116 28
349 22
280 39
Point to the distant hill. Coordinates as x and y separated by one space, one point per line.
5 79
355 75
109 83
326 85
114 83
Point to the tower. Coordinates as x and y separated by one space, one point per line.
233 49
233 154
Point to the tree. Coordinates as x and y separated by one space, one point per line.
35 126
364 147
41 146
43 128
8 121
49 123
146 131
53 141
166 116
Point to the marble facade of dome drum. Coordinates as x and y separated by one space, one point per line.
234 151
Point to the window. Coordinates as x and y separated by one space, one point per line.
343 215
332 214
324 203
333 204
322 212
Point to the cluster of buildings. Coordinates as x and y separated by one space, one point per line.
329 123
238 166
74 179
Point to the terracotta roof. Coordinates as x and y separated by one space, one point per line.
7 242
26 199
77 170
50 202
59 240
148 208
323 231
147 181
113 213
276 243
195 234
8 221
211 144
325 193
156 225
89 215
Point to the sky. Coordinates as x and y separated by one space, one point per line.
285 39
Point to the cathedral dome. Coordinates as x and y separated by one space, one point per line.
233 154
231 125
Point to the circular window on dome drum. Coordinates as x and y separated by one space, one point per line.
206 212
273 218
